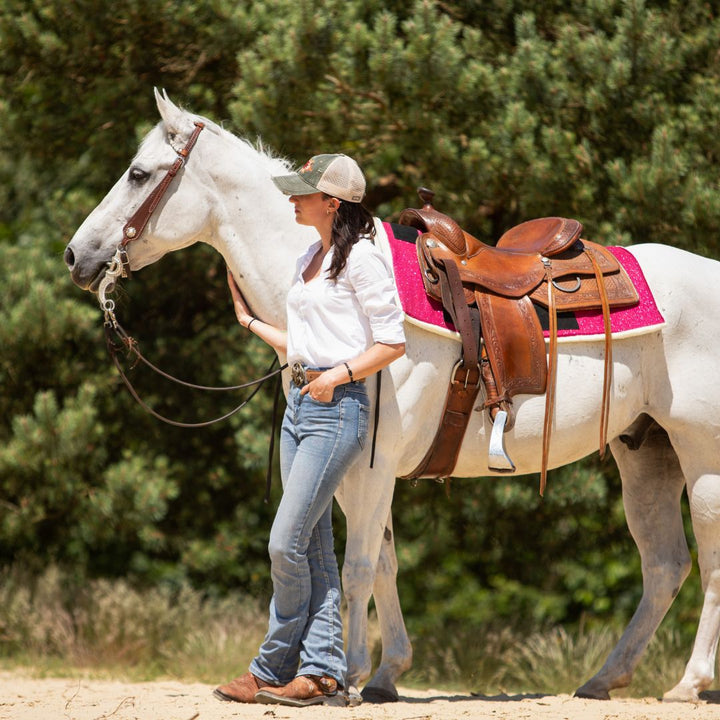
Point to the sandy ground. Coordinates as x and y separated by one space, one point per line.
73 699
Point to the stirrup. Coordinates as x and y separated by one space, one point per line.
498 459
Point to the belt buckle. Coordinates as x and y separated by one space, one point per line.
298 374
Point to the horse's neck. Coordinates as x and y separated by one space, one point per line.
256 232
263 263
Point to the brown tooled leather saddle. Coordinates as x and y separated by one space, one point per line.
489 293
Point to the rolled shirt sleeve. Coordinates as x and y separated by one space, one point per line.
372 279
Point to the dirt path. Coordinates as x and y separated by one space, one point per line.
59 699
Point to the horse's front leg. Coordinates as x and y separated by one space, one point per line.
365 497
396 648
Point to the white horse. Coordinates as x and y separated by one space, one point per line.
224 196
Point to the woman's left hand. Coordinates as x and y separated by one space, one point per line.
320 389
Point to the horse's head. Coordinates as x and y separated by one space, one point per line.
191 209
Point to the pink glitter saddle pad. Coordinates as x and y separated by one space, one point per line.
643 317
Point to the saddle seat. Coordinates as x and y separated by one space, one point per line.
489 293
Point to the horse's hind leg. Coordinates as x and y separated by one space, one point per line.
698 456
652 486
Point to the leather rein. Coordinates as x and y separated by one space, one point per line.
119 267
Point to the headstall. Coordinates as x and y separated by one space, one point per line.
118 267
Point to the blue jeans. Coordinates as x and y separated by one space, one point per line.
318 442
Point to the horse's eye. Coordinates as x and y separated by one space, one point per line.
138 176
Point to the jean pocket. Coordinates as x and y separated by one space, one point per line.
332 402
362 427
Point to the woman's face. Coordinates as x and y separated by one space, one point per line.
314 209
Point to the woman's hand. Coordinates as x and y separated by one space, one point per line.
242 311
322 387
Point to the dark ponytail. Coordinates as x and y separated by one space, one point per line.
351 221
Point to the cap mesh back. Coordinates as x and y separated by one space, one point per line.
344 179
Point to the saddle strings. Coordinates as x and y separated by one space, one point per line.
608 364
551 377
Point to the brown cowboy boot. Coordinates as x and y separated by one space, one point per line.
302 691
241 689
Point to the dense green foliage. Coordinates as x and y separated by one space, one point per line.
604 110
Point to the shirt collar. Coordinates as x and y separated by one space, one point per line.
310 253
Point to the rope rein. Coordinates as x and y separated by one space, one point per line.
130 346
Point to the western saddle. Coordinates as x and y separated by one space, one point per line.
489 293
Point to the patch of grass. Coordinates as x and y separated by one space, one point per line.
553 661
461 660
109 628
556 661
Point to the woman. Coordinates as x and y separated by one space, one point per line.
343 325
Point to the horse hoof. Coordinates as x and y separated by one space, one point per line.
682 694
378 695
354 697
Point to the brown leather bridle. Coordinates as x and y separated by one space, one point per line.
119 267
135 226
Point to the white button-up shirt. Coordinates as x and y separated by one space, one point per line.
331 322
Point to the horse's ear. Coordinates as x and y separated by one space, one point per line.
171 114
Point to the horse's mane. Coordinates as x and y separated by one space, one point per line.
267 157
258 146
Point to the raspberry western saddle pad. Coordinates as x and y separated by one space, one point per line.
540 285
423 310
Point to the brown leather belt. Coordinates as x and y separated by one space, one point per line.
302 376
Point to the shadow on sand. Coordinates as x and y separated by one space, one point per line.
711 697
475 696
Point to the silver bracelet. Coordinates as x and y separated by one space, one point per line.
250 323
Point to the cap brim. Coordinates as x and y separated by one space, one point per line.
293 185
